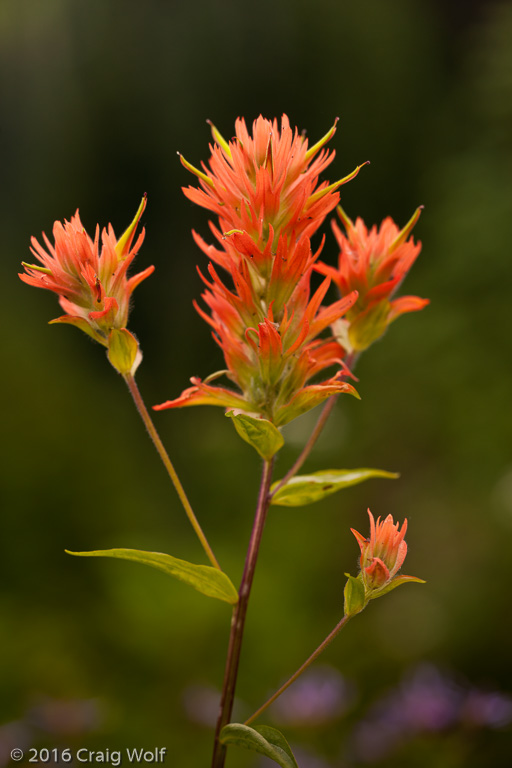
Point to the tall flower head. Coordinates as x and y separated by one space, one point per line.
265 191
265 185
374 262
91 282
382 556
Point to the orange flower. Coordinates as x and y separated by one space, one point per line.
265 191
93 287
382 556
374 263
270 363
265 185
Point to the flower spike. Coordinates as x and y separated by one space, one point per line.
91 282
373 262
264 187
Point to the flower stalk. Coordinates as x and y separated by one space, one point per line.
239 615
157 442
314 656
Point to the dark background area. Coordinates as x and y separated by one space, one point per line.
96 98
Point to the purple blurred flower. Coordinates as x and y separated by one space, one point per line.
487 709
320 695
426 701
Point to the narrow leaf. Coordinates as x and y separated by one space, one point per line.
210 581
260 433
263 739
305 489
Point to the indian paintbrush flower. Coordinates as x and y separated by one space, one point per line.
374 262
92 283
264 189
382 556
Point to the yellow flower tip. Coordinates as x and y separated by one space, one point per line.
219 138
406 231
347 222
323 141
194 170
332 187
36 267
124 242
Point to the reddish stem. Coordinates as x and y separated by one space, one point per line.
239 614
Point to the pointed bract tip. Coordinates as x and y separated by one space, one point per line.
123 244
219 138
406 231
347 222
45 270
195 171
323 141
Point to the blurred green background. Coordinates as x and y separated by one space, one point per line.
96 98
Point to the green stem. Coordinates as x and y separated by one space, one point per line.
155 437
239 614
320 424
337 629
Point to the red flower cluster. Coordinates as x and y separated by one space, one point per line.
382 556
264 189
374 263
92 286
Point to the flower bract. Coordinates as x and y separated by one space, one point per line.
91 280
374 262
264 188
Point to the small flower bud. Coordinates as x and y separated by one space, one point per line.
382 556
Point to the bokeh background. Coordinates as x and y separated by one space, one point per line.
96 98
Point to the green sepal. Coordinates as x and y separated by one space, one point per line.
305 489
355 600
260 433
262 739
82 324
397 581
211 582
369 325
123 351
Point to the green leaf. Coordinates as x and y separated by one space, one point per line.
397 581
305 489
263 739
354 595
210 581
260 433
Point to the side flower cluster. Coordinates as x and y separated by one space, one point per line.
265 190
382 556
374 262
92 283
